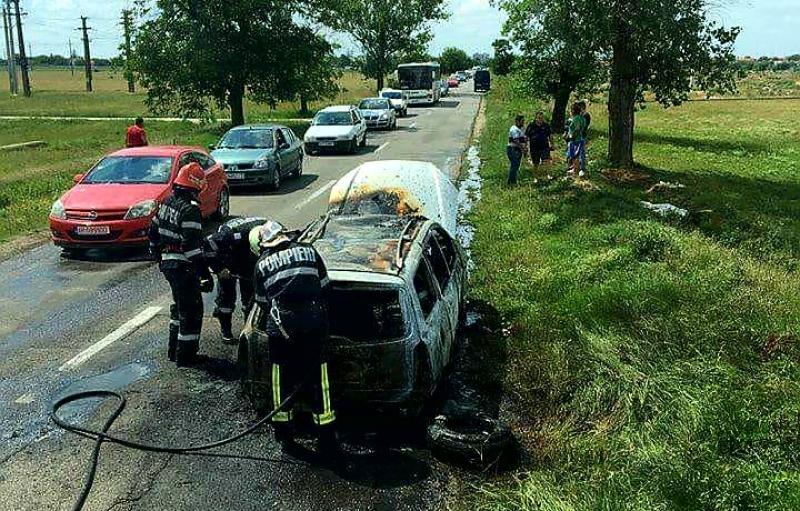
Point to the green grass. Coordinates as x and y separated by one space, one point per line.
31 179
652 363
57 93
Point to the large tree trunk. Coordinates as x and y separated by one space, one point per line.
560 102
622 94
380 81
303 104
236 104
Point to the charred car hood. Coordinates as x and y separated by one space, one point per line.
111 196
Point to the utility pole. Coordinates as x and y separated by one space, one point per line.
71 59
23 59
126 25
87 57
12 69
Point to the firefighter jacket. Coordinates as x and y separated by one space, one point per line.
176 233
229 247
290 285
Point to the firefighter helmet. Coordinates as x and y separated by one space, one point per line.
191 176
266 236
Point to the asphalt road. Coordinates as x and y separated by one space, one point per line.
102 322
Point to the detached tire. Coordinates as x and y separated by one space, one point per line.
474 441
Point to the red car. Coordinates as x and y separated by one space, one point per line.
112 204
452 82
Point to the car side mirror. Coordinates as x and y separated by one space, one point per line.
77 178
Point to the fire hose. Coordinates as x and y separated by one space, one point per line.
100 436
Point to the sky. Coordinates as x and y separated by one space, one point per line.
770 27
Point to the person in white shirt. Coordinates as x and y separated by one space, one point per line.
516 148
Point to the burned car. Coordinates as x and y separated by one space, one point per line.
398 280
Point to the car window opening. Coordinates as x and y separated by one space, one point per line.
366 315
247 139
423 285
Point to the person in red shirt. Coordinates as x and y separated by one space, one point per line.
136 136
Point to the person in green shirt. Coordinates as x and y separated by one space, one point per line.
576 136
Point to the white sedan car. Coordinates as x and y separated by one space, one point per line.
398 99
336 128
379 113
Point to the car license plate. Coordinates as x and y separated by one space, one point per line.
326 144
235 175
93 230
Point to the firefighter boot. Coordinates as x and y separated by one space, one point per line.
186 353
173 343
226 328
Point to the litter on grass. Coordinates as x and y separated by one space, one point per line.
665 209
665 185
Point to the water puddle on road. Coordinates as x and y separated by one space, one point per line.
116 379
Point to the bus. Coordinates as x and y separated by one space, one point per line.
421 81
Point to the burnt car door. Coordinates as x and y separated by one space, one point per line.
433 315
441 259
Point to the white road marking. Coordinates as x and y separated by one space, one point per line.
120 333
316 194
26 399
381 148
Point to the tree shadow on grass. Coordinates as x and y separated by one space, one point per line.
702 145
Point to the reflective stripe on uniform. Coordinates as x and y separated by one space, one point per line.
193 253
174 322
224 310
276 396
327 416
174 257
163 231
324 282
188 337
191 225
292 272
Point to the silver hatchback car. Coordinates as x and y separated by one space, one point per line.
398 283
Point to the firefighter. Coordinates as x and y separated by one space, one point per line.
176 237
228 254
290 287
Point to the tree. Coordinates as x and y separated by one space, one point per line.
317 70
193 54
385 29
558 54
482 59
454 59
662 46
503 57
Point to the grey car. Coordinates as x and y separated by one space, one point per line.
259 154
397 288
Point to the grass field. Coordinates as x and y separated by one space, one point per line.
58 93
653 363
31 179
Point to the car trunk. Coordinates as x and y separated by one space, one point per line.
369 345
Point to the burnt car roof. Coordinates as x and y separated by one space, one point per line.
367 243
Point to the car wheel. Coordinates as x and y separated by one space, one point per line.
299 170
471 439
276 179
224 205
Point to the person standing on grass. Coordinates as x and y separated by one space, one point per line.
576 150
540 137
136 136
516 148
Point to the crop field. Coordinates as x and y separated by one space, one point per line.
653 362
56 92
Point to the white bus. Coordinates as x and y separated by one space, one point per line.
421 81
